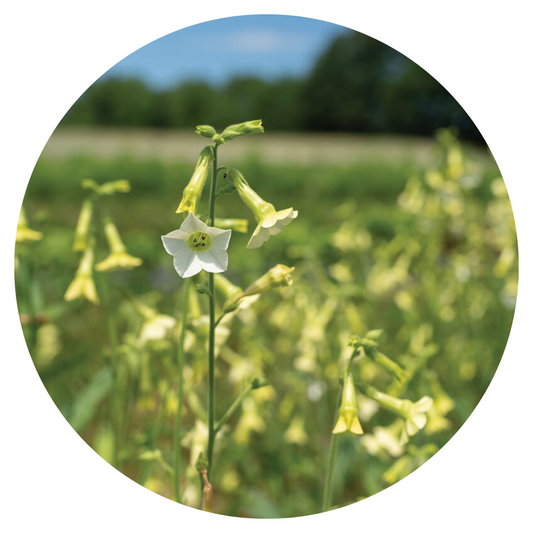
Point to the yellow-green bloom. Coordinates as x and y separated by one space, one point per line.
25 234
269 221
82 228
118 258
193 191
156 326
244 128
348 418
82 285
412 412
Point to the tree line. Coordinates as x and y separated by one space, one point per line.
357 85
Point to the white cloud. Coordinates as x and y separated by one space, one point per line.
267 41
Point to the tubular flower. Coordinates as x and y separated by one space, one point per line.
244 128
23 232
348 419
196 246
278 276
82 228
82 285
412 412
193 191
118 258
156 326
269 221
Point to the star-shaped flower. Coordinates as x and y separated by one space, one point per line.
196 246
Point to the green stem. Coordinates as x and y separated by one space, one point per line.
326 503
232 408
211 378
181 363
219 319
115 414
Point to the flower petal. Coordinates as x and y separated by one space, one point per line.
340 426
260 236
182 262
175 241
214 263
219 238
192 224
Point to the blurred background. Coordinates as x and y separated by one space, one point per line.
404 224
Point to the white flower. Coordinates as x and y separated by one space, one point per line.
272 224
269 221
196 246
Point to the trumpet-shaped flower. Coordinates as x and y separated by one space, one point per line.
23 232
414 413
82 228
348 419
193 191
269 221
82 285
196 246
278 276
118 258
156 326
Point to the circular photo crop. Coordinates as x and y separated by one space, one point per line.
266 266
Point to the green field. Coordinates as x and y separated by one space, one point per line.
410 236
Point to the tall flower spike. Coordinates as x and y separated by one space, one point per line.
269 221
118 258
412 412
348 419
196 246
23 232
82 285
193 191
82 228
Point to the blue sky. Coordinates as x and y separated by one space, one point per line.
265 46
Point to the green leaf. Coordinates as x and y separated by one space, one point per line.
87 401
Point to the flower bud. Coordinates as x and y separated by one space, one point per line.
82 228
206 131
193 191
278 276
244 128
348 419
259 382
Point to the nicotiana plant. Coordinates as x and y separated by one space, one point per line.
412 414
201 243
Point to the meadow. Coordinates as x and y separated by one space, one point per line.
414 237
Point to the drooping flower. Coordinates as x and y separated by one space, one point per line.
24 233
82 228
278 276
156 326
348 419
269 221
412 412
118 258
193 191
82 286
196 246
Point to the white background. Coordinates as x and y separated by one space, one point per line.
52 51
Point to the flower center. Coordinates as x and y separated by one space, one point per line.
199 242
